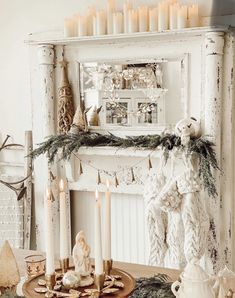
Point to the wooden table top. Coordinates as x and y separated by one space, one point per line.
135 270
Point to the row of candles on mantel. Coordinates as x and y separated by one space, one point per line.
168 14
64 237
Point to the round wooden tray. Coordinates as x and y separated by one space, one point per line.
127 279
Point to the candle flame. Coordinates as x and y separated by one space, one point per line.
107 183
61 185
96 194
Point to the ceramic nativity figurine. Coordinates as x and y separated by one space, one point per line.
81 255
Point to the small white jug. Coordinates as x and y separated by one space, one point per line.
225 281
195 283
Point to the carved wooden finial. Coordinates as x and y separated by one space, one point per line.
66 107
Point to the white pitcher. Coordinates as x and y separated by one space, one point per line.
195 283
224 281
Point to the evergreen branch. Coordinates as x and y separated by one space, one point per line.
65 144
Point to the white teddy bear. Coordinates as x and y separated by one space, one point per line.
186 128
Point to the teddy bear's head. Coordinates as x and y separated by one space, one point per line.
188 127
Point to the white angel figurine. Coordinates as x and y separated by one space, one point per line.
81 255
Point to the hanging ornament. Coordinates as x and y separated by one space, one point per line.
98 178
66 107
80 168
132 175
116 180
150 163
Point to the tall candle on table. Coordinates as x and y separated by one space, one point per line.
107 227
193 16
64 239
49 234
98 240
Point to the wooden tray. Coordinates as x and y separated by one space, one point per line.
127 279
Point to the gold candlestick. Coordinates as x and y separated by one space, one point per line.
50 283
99 281
108 265
64 265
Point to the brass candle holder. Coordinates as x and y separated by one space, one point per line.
108 265
50 283
64 265
99 281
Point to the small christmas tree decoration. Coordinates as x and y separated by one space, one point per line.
80 168
94 119
66 107
98 178
132 175
80 119
116 180
9 271
150 163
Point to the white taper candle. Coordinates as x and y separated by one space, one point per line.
64 236
107 226
49 235
98 237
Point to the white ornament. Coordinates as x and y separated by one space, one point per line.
81 255
225 281
186 128
71 280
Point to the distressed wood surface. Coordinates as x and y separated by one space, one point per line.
214 47
29 186
208 62
227 153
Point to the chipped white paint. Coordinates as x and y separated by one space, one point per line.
227 153
214 46
205 77
28 183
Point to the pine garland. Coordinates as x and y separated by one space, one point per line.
154 287
66 144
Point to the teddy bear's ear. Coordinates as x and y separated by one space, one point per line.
193 118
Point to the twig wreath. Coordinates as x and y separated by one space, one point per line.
66 144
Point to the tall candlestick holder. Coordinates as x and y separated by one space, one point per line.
50 283
108 265
99 281
64 265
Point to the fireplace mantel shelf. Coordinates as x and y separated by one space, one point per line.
56 37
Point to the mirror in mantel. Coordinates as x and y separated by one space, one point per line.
139 95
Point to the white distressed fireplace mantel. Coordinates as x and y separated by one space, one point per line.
210 99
